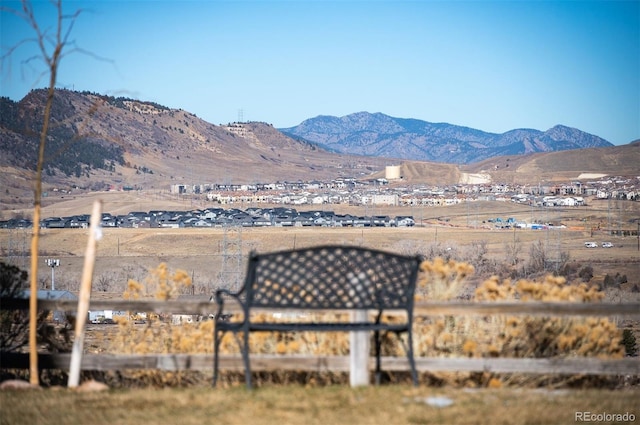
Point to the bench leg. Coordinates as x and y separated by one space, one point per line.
216 349
412 362
245 357
378 343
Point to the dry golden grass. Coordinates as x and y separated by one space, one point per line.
129 253
125 254
296 405
493 336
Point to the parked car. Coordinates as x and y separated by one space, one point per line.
591 244
607 245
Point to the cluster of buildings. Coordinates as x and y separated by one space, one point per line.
220 217
380 192
350 191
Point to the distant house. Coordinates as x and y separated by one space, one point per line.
343 220
55 223
106 316
257 222
384 199
304 219
78 222
405 221
211 213
109 221
201 223
362 221
283 220
381 221
172 224
141 224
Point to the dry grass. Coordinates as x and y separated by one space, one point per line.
125 254
129 253
297 405
433 336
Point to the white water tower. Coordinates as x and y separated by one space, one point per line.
392 172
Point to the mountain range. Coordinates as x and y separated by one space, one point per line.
98 142
378 134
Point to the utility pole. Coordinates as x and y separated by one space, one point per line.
467 202
609 214
53 263
231 256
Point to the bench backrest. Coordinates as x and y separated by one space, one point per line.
331 277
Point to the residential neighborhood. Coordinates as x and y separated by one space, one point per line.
219 217
241 205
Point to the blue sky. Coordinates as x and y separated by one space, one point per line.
490 65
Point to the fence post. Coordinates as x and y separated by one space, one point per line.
85 294
359 352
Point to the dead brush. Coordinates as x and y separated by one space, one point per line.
156 334
434 336
512 336
528 336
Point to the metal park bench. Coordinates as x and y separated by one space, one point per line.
326 278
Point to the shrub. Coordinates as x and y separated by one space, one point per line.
491 336
160 284
442 279
608 281
616 280
14 324
569 270
586 273
528 336
156 334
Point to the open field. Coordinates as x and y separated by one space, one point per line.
328 405
210 255
215 257
128 253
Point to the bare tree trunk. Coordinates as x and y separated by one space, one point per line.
37 202
51 60
52 63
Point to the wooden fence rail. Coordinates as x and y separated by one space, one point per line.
422 308
102 362
204 362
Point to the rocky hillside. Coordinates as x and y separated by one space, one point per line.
377 134
97 142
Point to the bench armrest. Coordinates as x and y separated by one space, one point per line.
220 293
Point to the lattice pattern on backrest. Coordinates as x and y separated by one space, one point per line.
332 277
